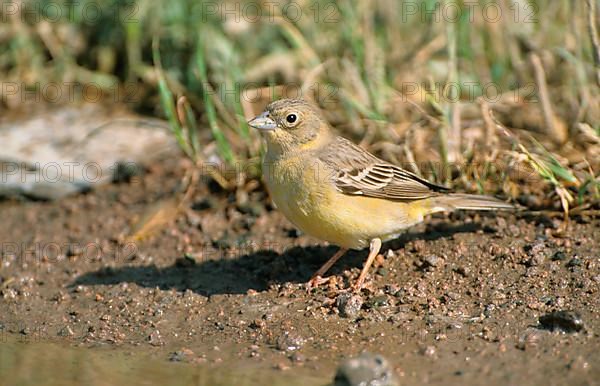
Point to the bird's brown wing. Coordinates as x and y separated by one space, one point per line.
357 172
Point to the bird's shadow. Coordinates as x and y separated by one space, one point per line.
257 270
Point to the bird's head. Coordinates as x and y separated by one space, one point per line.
291 125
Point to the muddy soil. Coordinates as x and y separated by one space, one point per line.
456 300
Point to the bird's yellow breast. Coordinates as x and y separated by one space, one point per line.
303 190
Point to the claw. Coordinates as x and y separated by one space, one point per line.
316 281
356 287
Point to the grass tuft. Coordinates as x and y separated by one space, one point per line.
404 75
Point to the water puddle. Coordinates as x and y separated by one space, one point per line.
42 363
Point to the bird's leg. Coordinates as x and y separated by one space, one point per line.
316 278
373 251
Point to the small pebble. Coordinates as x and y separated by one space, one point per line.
574 262
463 271
428 351
529 340
453 295
566 321
431 261
183 355
349 305
155 339
377 301
365 370
282 366
65 332
297 358
289 341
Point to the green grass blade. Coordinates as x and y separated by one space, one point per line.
167 102
222 144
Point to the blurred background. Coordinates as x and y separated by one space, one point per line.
491 96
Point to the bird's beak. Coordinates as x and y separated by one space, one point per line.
263 122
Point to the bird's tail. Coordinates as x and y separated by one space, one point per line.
454 201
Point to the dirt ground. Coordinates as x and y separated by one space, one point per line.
454 301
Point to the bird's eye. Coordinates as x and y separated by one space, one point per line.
291 118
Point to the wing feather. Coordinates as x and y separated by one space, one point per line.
357 172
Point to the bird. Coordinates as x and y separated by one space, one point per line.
336 191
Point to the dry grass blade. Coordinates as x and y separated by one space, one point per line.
156 217
162 213
490 132
310 80
589 133
555 126
453 137
548 171
410 157
593 31
297 39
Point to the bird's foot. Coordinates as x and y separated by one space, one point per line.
316 281
357 286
